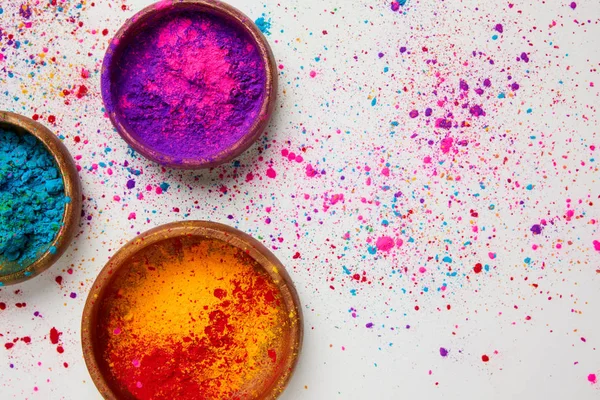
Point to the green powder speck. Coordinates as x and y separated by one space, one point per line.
32 200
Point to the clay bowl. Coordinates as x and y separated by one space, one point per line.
154 243
156 13
66 165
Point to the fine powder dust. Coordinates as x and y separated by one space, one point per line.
190 85
193 319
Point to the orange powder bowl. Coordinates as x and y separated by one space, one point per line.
192 310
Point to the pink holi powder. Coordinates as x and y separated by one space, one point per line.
446 144
385 243
189 86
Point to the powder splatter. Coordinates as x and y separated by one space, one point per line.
202 78
264 24
213 328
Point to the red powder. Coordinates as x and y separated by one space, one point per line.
54 336
485 358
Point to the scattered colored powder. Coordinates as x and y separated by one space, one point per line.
189 86
264 24
31 200
196 319
592 378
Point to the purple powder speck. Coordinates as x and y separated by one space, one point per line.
443 352
487 83
130 184
515 86
73 295
189 86
463 85
477 111
369 325
536 229
499 28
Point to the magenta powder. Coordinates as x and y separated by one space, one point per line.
189 85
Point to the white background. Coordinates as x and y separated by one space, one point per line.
332 117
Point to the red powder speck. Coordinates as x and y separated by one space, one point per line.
82 91
66 365
54 335
296 256
2 306
52 119
35 117
9 346
104 32
272 355
26 339
477 268
60 349
271 173
485 358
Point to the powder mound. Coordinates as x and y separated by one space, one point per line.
189 86
31 200
192 318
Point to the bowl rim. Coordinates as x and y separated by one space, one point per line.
205 229
228 13
72 185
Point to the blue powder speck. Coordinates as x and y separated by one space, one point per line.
31 200
264 24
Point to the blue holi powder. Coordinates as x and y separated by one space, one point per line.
264 24
32 201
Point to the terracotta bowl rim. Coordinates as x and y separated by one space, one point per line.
72 211
205 229
127 33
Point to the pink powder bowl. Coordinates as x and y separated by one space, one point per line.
189 84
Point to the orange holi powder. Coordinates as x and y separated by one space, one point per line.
192 318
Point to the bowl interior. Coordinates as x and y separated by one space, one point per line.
72 190
118 290
174 98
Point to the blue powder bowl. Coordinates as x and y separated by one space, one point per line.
15 272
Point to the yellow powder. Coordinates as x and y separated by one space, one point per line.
193 319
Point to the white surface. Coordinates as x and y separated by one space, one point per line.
541 358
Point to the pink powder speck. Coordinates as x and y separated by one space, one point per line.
592 378
596 245
446 144
271 173
313 74
385 243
